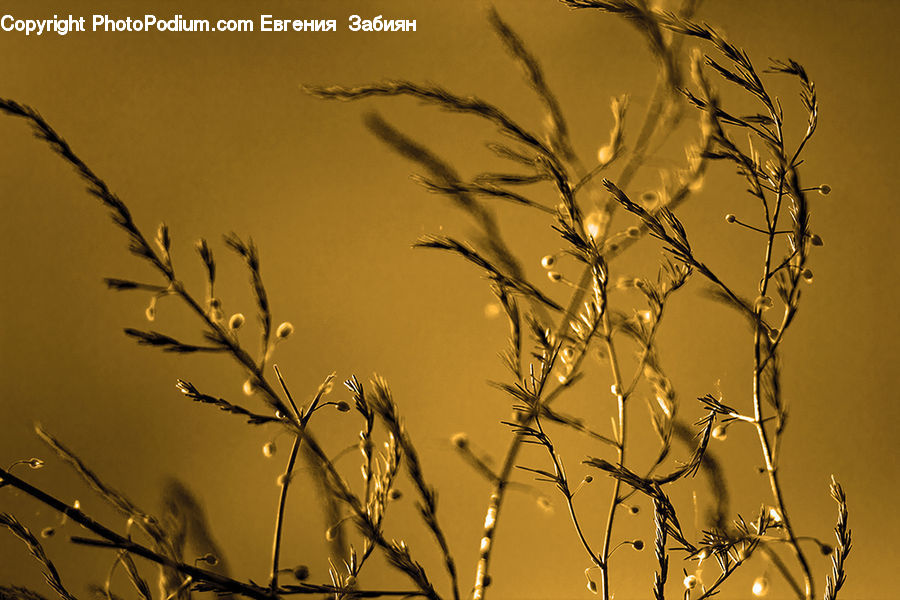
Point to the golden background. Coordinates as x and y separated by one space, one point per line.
211 133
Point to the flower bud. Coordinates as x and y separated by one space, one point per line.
284 330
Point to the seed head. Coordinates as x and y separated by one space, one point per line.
284 330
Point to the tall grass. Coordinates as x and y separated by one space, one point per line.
554 326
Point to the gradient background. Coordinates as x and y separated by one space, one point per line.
211 134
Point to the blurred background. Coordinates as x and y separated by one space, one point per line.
211 134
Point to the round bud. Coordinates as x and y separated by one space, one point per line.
825 189
816 240
730 218
284 330
460 440
634 509
48 532
720 432
548 261
638 545
554 276
236 321
807 274
269 449
300 573
690 582
395 494
760 587
342 406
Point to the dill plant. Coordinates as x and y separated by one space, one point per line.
554 326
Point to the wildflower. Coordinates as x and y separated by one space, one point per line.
460 440
284 330
730 218
825 189
548 261
236 321
269 449
760 587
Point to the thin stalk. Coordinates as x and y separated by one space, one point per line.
759 422
620 450
282 501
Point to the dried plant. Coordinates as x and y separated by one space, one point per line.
551 333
